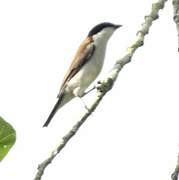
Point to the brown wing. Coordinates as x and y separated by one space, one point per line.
83 54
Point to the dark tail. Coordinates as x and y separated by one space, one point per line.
53 112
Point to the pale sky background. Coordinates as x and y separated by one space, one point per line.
133 134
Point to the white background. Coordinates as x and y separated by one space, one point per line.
133 134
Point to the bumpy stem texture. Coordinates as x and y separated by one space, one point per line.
174 175
176 17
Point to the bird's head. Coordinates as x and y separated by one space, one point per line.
103 31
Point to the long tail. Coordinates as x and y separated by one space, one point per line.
53 112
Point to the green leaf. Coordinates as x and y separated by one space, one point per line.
7 137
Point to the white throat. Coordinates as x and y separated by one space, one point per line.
102 37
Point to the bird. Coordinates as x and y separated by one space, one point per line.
85 67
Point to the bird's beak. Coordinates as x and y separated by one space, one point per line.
118 26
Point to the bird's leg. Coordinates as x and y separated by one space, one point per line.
85 93
86 107
76 93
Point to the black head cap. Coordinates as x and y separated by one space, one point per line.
101 26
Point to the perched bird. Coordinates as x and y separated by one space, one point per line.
85 66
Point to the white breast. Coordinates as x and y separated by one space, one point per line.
89 72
